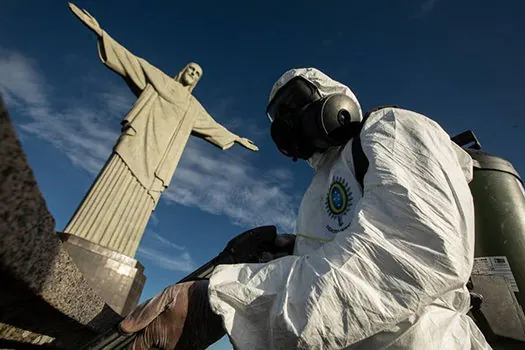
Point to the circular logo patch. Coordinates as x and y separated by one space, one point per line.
338 200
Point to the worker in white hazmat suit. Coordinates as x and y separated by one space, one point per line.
378 266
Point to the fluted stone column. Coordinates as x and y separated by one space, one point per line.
115 211
105 231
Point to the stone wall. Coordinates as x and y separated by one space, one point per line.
43 295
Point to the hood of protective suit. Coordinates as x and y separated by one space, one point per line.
325 85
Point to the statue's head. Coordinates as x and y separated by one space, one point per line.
190 75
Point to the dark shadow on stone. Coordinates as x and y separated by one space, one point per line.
26 226
41 289
28 312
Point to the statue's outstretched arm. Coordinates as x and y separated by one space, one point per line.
208 129
133 69
86 18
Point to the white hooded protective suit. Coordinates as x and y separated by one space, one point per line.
383 268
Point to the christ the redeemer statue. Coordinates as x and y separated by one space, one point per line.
116 209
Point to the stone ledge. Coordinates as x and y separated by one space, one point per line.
41 289
109 253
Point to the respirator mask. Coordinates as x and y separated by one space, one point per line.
304 122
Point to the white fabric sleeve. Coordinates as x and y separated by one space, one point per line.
411 240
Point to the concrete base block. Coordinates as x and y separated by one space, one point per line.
115 277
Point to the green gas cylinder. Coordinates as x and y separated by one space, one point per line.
499 206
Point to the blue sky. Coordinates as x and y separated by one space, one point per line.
459 62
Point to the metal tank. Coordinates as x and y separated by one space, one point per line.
499 204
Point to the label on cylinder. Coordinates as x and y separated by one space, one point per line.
495 265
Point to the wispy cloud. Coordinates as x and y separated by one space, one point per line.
20 82
224 185
76 132
162 252
166 242
281 175
183 262
79 130
218 182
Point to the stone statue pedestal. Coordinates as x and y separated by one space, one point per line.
115 277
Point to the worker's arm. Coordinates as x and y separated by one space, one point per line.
180 315
411 241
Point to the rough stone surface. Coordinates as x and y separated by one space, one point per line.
116 277
41 289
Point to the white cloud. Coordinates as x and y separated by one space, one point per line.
182 262
162 252
83 133
282 175
164 241
20 82
226 185
76 131
218 182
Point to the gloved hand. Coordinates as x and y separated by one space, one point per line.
179 317
285 243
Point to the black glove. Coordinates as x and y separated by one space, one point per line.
284 244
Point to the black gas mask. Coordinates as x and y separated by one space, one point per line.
303 122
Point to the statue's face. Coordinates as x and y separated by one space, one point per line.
191 74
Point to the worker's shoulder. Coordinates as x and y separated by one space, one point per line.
394 112
398 118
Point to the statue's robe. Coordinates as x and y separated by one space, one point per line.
116 209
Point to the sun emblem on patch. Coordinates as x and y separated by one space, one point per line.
338 200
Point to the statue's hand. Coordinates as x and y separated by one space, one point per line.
243 141
86 18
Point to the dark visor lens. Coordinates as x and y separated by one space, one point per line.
290 98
